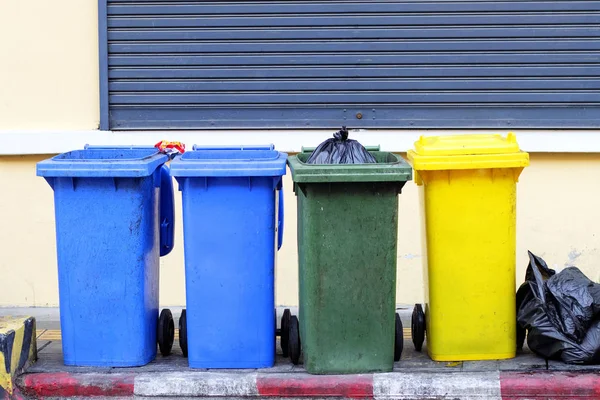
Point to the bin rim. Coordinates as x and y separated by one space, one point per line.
397 170
96 162
198 147
230 161
469 151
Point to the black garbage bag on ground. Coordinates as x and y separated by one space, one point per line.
340 150
560 312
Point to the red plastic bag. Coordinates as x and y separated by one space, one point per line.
170 147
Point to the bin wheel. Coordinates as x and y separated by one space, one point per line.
183 333
418 327
285 331
166 332
294 346
399 339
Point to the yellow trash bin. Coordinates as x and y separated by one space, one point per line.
468 196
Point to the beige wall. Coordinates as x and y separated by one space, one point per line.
558 218
49 81
49 64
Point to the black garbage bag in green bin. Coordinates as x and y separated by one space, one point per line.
347 250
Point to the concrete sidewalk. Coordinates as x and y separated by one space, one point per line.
414 377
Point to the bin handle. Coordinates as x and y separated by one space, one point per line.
225 147
109 147
167 212
368 148
280 216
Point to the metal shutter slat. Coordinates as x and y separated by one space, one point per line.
289 64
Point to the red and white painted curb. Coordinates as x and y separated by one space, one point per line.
394 385
65 385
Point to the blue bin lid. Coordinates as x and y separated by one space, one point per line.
228 161
229 147
118 162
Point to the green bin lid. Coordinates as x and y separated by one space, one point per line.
390 167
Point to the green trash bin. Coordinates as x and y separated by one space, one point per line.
347 251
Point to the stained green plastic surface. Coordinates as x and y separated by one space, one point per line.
347 247
389 168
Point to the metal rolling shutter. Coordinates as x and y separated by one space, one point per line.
186 64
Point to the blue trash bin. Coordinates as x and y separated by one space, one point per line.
232 226
114 219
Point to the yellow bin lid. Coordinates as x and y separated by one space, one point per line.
467 152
